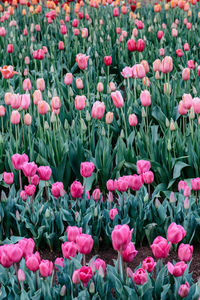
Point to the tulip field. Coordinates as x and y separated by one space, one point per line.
99 150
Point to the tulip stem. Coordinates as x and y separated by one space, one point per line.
36 281
81 127
16 138
20 179
2 125
84 260
87 85
126 134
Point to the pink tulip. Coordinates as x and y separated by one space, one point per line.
80 102
122 184
129 253
68 79
82 61
27 84
143 166
131 45
157 65
175 233
25 101
20 275
27 246
76 189
181 108
57 189
27 119
42 107
110 185
96 194
69 249
85 274
117 99
160 247
178 269
191 64
98 110
76 277
44 172
46 268
135 182
185 252
167 65
186 74
121 237
15 117
40 83
183 290
148 264
112 213
187 191
182 185
87 169
100 264
84 243
73 232
33 261
30 189
59 262
132 120
127 72
23 195
18 160
140 277
29 169
187 101
138 71
148 177
145 98
8 177
196 105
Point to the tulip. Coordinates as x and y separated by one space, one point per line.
187 191
20 275
76 189
100 264
110 185
145 65
132 120
121 237
27 119
96 194
79 83
195 184
162 51
178 269
100 87
157 65
143 166
61 45
135 182
46 268
185 252
33 261
69 249
175 233
18 160
15 117
148 177
63 29
196 105
138 71
160 247
80 102
127 72
183 290
148 264
107 60
186 47
122 185
109 118
16 101
140 277
29 169
76 277
179 52
10 48
191 64
73 232
167 65
42 107
140 45
117 99
44 172
112 213
87 169
37 96
82 61
30 189
85 274
160 34
40 83
59 262
57 189
84 243
68 79
186 74
129 253
34 180
182 185
25 101
131 44
8 177
98 110
8 98
145 98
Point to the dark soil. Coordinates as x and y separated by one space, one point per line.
108 254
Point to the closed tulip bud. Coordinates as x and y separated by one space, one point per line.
109 118
172 125
100 87
88 117
3 196
2 111
20 275
27 119
186 74
63 291
92 288
167 122
167 88
79 83
15 117
172 198
46 125
192 114
83 125
40 83
157 203
10 48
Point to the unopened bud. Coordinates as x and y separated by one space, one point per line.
92 288
63 291
157 203
191 113
83 125
172 125
88 117
47 213
169 147
103 133
46 125
167 122
122 134
3 196
172 198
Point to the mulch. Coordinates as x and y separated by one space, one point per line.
108 254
